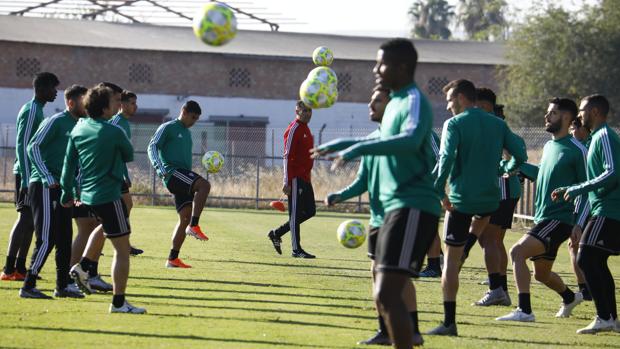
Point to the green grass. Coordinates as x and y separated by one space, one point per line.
240 294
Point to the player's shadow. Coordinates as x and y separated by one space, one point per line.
286 265
530 341
65 330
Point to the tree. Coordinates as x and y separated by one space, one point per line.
431 19
483 19
558 53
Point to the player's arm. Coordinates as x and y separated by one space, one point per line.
41 139
447 153
125 147
67 178
156 143
25 123
529 171
358 187
338 145
516 147
582 206
290 148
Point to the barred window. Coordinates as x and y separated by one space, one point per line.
239 77
27 67
140 73
436 84
344 82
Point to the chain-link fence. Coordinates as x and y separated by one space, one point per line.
252 174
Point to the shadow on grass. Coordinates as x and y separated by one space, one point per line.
166 336
529 341
284 265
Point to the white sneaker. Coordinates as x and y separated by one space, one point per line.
617 326
127 308
566 309
72 287
492 297
517 315
598 325
97 283
81 278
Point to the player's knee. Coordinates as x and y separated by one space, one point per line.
203 186
516 253
541 276
585 260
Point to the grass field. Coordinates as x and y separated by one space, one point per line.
240 294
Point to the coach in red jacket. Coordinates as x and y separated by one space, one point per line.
297 186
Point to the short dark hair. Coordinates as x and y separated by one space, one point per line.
566 104
486 94
599 102
127 95
45 80
462 86
192 107
301 104
75 91
381 88
401 50
114 87
97 99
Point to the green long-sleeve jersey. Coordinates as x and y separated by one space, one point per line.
121 121
170 149
602 183
407 156
28 120
101 150
471 149
510 188
47 148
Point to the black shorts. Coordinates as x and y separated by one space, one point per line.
21 196
82 211
404 238
602 233
503 216
180 186
124 187
114 218
372 241
552 233
456 226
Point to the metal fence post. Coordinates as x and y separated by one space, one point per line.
153 186
257 180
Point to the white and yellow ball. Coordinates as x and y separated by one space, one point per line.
213 161
215 24
325 75
316 94
322 56
351 233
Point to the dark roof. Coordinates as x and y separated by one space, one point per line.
253 43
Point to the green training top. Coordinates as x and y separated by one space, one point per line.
121 121
101 150
471 149
171 148
405 167
602 185
46 150
28 120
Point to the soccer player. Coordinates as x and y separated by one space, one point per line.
101 149
471 149
492 237
298 143
28 120
170 152
406 190
563 163
52 221
600 238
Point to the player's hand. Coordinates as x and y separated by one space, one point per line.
332 199
575 235
446 204
54 186
286 189
23 191
558 194
68 204
338 162
317 152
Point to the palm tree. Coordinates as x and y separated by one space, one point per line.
431 19
482 19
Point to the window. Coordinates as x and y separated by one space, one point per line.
27 67
239 77
140 73
436 84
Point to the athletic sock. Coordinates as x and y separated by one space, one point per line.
174 254
433 263
20 265
94 269
31 281
583 288
567 295
504 279
524 303
194 221
118 300
414 320
495 281
382 326
9 265
86 264
471 241
449 313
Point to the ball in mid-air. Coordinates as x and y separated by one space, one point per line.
316 94
322 56
215 24
351 233
213 161
325 75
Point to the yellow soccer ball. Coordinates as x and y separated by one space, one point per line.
317 95
322 56
215 24
213 161
325 75
351 233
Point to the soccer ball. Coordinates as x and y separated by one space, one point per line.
316 94
325 75
213 161
215 24
322 56
351 233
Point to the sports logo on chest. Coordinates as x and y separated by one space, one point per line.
180 135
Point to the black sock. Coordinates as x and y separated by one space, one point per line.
20 265
524 303
414 320
118 300
31 281
9 266
382 326
583 288
433 263
471 241
86 264
504 282
449 310
94 269
568 296
194 221
174 254
495 281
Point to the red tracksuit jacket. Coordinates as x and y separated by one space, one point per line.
297 144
